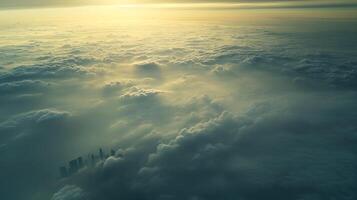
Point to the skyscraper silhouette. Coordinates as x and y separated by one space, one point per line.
80 162
101 154
73 166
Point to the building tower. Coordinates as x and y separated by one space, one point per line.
80 162
101 154
73 166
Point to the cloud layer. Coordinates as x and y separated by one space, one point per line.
194 108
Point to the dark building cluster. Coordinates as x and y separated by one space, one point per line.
76 164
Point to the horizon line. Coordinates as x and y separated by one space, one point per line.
200 5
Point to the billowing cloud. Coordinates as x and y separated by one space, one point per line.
149 69
252 156
23 86
69 192
193 107
20 125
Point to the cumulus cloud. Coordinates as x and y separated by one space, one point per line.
252 156
30 72
115 88
27 140
38 116
52 69
20 125
194 110
69 192
23 86
140 94
151 69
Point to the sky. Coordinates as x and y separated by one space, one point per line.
186 104
56 3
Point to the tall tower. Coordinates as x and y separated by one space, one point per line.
112 152
80 162
101 154
73 166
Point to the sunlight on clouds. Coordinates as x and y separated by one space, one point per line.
198 101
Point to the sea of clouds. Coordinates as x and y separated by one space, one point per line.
195 110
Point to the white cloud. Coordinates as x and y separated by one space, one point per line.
199 110
69 192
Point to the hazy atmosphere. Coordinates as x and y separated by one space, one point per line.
236 100
252 3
